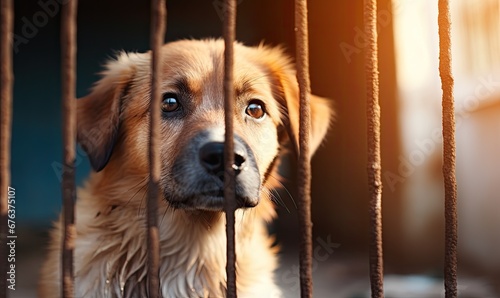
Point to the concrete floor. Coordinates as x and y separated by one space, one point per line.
335 275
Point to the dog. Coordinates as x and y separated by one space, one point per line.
110 255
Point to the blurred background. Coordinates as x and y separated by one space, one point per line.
410 98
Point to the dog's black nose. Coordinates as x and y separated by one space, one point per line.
212 158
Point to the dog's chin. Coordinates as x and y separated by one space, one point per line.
209 202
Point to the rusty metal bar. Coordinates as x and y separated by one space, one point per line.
449 156
68 56
229 32
7 81
304 162
158 27
374 159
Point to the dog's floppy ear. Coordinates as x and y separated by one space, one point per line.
321 115
98 113
286 91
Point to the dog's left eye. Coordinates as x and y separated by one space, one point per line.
256 109
170 103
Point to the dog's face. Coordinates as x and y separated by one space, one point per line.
113 121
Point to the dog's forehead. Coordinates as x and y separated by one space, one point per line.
200 62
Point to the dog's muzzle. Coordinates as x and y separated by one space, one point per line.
198 175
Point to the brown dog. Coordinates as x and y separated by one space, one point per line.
113 123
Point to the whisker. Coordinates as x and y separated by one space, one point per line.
284 187
140 188
164 213
247 212
143 199
141 183
210 219
274 194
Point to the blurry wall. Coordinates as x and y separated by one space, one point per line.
476 70
478 175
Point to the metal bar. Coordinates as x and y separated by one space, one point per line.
229 175
158 27
7 81
449 156
374 159
68 56
304 162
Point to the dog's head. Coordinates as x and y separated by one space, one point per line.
113 120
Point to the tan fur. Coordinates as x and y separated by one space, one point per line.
110 253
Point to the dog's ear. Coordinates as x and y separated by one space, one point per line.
286 91
98 113
321 116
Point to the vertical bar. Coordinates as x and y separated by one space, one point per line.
450 183
7 81
68 56
158 16
304 162
229 175
374 159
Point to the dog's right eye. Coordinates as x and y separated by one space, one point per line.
256 109
170 103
